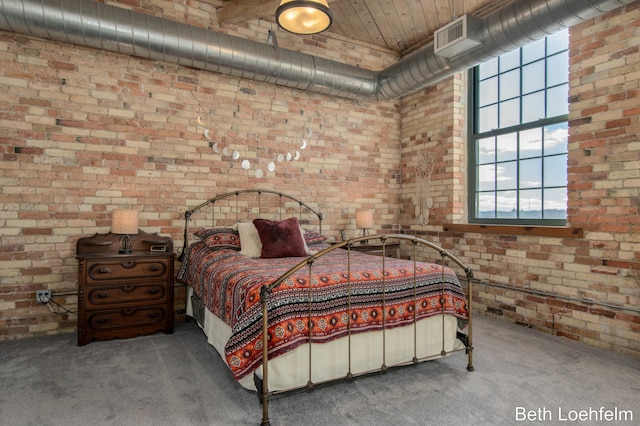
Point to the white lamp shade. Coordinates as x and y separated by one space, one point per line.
364 219
304 17
124 222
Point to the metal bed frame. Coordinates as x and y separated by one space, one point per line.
418 247
282 198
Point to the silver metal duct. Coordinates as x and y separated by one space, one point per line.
100 26
515 25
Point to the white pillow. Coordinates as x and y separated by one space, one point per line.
306 247
250 244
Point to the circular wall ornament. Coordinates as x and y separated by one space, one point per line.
222 147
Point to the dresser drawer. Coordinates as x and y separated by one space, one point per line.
109 296
126 318
101 271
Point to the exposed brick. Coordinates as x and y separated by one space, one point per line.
37 231
602 312
81 136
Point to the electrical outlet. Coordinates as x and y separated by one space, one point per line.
43 296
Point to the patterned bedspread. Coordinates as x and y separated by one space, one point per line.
229 284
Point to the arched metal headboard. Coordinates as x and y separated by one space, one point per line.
283 199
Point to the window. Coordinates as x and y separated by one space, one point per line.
518 135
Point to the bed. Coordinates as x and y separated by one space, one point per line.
331 312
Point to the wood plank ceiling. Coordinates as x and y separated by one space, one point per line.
398 25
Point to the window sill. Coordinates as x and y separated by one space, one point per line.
538 231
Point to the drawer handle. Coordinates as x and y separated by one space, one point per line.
103 295
129 265
154 268
153 314
104 270
128 288
153 290
103 320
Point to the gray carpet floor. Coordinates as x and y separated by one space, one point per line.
521 377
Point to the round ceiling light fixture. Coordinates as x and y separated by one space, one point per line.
304 17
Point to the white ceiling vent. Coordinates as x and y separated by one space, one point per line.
457 37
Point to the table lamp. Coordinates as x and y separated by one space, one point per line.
124 222
364 221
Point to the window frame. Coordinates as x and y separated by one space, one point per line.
473 138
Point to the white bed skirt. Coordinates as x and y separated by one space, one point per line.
331 360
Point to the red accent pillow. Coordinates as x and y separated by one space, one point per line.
280 238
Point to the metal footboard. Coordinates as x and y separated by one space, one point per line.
417 248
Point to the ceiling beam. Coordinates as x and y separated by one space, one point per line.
236 11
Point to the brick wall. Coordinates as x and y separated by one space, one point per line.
83 132
583 288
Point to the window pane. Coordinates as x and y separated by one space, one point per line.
486 151
530 173
510 60
488 118
533 77
486 205
558 42
507 203
507 147
510 113
533 107
530 143
558 69
487 177
531 204
533 51
488 91
488 69
557 101
507 175
555 203
555 170
555 139
510 84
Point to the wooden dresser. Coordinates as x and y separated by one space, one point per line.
124 295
